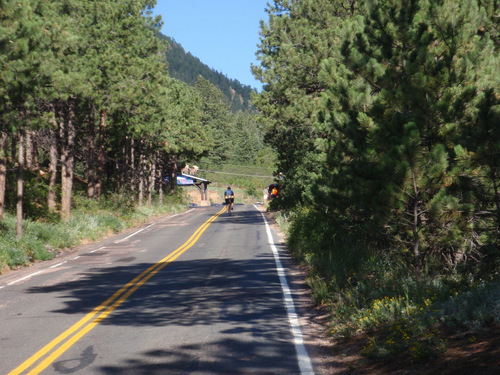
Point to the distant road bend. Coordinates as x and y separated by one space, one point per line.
196 293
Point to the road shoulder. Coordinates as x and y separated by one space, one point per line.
313 319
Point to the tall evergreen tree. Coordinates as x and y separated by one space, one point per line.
215 119
298 36
405 94
395 167
20 56
248 138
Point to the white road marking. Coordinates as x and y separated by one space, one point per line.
133 234
305 364
57 265
24 278
93 251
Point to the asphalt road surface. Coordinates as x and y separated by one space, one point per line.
196 293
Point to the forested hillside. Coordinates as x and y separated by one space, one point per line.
184 66
386 120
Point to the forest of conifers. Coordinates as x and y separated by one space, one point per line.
85 96
387 123
187 68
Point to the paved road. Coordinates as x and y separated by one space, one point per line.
197 293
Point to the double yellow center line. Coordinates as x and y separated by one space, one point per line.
50 352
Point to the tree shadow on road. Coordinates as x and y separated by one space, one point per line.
240 299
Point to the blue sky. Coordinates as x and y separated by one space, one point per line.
223 34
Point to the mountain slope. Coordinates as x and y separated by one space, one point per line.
187 68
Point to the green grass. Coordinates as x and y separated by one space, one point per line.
406 315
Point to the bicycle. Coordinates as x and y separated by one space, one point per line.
229 197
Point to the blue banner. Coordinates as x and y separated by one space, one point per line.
181 180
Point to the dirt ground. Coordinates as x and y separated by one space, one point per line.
466 353
195 196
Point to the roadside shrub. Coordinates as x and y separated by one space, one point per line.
474 308
17 252
320 290
376 293
16 256
314 239
304 233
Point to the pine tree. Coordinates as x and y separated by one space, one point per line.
297 38
21 49
215 121
404 86
248 139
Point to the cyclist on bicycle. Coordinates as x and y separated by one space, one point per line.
229 197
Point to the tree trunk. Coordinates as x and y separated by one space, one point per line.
496 198
125 164
100 156
29 139
13 146
415 227
159 176
67 160
3 171
142 177
90 173
20 184
133 170
173 173
54 158
151 177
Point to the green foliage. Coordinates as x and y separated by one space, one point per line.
313 237
188 68
320 290
474 308
293 44
390 151
391 174
89 82
35 192
378 295
215 118
16 252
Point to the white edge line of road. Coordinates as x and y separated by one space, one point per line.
149 226
93 251
24 278
133 234
305 364
58 264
